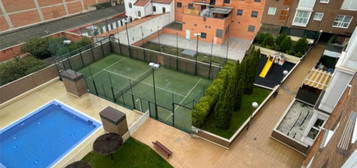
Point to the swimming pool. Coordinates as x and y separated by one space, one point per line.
43 137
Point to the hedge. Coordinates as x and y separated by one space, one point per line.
207 103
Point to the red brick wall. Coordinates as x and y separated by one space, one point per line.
3 24
25 18
53 12
17 5
24 12
43 3
74 7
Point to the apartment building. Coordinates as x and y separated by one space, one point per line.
216 20
19 13
335 145
137 9
309 17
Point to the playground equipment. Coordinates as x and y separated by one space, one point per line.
277 58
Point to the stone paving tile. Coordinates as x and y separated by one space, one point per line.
254 147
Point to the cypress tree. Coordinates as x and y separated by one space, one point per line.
224 106
237 87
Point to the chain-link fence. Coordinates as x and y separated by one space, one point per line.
169 107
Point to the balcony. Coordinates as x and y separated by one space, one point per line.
208 11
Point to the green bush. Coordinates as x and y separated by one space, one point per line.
268 41
286 44
207 103
300 47
223 109
259 38
45 47
17 68
37 47
280 38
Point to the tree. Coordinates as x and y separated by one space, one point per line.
38 47
301 46
268 41
237 97
286 44
223 109
259 38
280 38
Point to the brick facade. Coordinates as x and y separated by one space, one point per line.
232 25
19 13
286 9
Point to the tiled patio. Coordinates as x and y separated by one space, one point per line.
88 104
254 147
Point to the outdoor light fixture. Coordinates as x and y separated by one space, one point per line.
67 41
285 72
154 65
255 104
197 34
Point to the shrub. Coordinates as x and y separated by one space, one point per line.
223 108
207 103
17 68
38 47
268 41
280 38
259 38
300 47
286 44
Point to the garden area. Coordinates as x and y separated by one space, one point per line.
282 43
178 51
39 50
226 104
133 154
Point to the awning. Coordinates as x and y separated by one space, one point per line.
318 79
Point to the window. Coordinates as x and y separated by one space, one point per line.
190 6
271 11
251 28
203 35
219 33
227 1
315 129
178 4
239 12
318 16
256 0
342 21
301 18
154 8
254 14
163 10
139 14
130 5
324 1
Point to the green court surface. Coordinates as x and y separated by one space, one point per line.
115 78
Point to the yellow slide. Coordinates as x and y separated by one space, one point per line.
266 68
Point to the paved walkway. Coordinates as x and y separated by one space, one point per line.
237 47
14 37
254 148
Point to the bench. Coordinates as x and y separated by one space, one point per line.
162 149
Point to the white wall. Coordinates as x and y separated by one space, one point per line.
146 28
345 68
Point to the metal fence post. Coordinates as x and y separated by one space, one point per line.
80 55
95 87
101 46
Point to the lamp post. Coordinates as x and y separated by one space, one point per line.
255 106
127 35
153 67
197 35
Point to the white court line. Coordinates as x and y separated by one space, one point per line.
169 91
104 68
189 92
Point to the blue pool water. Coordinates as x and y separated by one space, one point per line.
43 137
